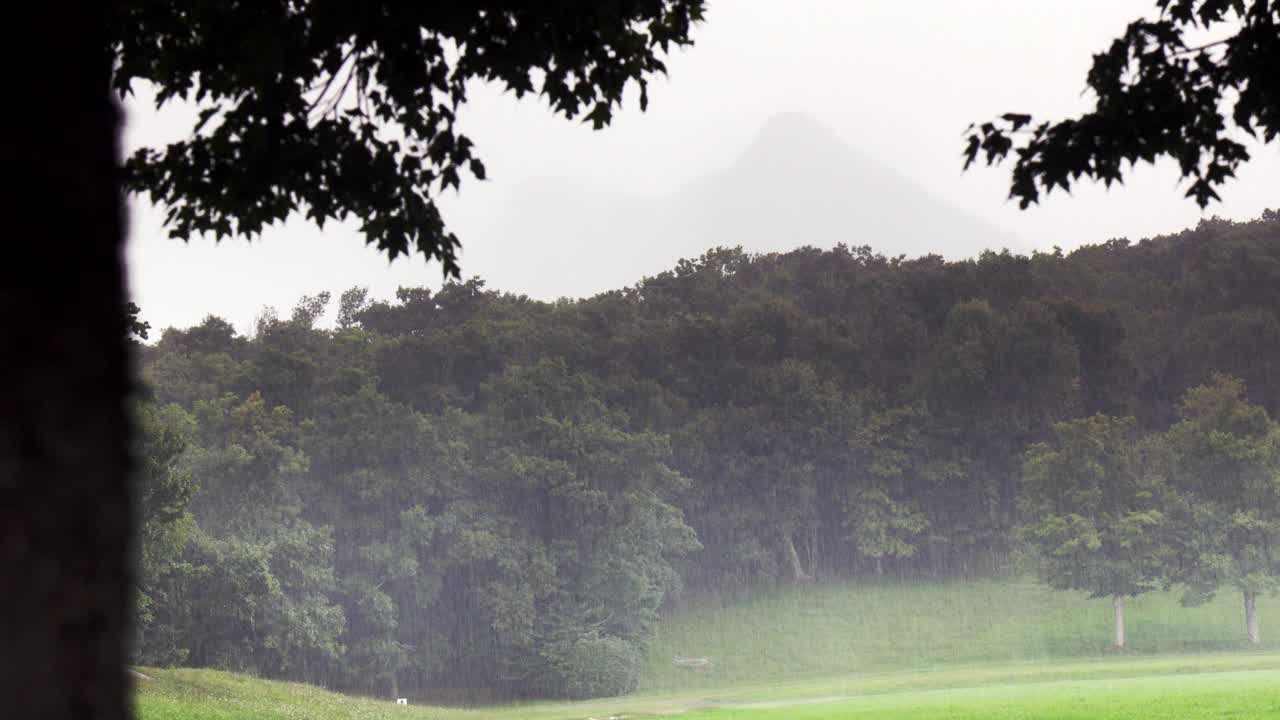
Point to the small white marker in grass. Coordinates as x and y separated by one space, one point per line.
402 701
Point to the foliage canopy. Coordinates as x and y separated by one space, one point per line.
1160 92
350 109
466 486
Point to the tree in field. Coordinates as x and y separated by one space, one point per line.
1227 475
1091 513
1160 91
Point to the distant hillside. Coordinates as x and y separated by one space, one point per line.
467 493
796 184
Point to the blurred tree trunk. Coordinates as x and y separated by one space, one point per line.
797 569
64 505
1117 603
1251 617
814 561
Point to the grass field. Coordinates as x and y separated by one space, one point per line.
852 627
1239 695
1243 687
960 650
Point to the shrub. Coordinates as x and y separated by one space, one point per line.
592 666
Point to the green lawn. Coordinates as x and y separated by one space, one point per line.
185 694
1239 695
1241 686
985 649
837 629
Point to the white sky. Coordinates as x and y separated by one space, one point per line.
899 81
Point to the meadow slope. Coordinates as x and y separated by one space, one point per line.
858 627
959 650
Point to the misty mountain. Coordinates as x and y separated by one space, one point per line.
796 183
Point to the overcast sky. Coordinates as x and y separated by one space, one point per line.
897 81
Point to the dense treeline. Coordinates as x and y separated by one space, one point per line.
467 493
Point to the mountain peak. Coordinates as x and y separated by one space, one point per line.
796 129
794 142
797 183
793 122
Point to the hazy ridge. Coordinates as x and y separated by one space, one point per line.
797 183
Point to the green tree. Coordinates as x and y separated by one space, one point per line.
1000 379
254 605
1092 512
163 487
377 475
247 466
593 502
199 363
351 303
1227 474
883 499
220 499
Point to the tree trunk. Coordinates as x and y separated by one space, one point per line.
65 516
1117 603
1251 617
797 570
814 564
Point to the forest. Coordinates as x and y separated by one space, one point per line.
466 494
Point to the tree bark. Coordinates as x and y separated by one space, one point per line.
797 570
65 515
1251 617
1117 604
814 564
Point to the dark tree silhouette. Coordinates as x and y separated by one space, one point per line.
1159 94
64 501
339 109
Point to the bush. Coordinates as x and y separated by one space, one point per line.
593 666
